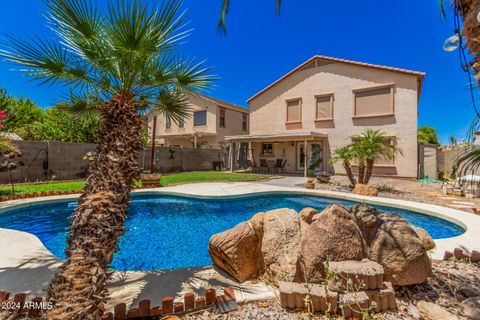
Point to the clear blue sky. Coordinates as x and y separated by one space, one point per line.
261 47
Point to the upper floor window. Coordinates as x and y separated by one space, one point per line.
294 110
200 118
181 122
221 121
168 122
371 102
244 122
324 107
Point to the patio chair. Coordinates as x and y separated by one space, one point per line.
271 166
278 165
263 165
283 165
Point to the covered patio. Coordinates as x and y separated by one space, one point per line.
292 152
187 139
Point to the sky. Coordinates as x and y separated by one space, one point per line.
260 47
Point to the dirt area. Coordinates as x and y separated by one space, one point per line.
453 284
409 189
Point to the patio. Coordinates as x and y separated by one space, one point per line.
292 153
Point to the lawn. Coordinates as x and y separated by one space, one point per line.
167 180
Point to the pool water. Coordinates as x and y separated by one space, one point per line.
168 232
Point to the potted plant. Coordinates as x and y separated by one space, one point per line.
151 180
310 184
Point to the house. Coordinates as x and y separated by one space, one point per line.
315 108
210 122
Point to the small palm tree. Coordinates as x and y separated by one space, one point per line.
222 22
373 145
126 58
345 155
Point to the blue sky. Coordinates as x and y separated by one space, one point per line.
261 47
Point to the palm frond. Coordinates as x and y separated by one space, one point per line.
222 21
173 104
192 77
46 61
470 162
80 105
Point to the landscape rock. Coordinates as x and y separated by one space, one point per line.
447 255
427 240
471 308
281 242
365 190
333 235
475 256
432 311
400 251
461 254
237 251
367 218
307 214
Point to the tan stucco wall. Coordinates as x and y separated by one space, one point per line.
233 122
268 110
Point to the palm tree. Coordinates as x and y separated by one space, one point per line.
373 145
124 56
345 156
222 22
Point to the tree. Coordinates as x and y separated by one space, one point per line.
22 113
126 57
427 135
222 22
374 145
59 125
345 156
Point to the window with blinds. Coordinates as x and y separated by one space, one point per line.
324 107
374 102
294 110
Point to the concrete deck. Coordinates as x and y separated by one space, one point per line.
27 266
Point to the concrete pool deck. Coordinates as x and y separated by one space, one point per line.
27 266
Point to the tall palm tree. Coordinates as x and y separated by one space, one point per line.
374 145
126 57
345 156
222 22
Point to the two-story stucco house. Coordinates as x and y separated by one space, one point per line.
315 108
210 122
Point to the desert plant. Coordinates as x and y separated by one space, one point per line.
372 145
345 156
126 58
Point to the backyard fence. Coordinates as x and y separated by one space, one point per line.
44 161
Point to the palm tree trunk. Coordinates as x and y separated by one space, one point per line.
349 172
361 172
369 172
79 289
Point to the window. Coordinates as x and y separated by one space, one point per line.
200 118
221 122
181 123
373 102
324 107
244 122
294 110
168 122
386 161
267 149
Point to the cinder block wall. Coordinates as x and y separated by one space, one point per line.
51 160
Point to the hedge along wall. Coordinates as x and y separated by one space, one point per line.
52 160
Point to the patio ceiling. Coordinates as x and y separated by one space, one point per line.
186 135
278 137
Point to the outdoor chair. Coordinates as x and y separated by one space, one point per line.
278 165
263 165
283 165
271 166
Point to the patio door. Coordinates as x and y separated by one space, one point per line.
315 156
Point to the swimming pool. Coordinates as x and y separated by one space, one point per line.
168 232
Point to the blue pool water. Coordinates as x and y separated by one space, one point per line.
167 232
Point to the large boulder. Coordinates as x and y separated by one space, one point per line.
425 237
365 190
397 247
238 252
333 235
367 219
281 242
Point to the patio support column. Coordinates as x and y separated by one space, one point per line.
195 141
232 156
305 164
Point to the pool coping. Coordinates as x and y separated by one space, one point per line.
34 250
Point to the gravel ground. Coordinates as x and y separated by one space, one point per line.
451 285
